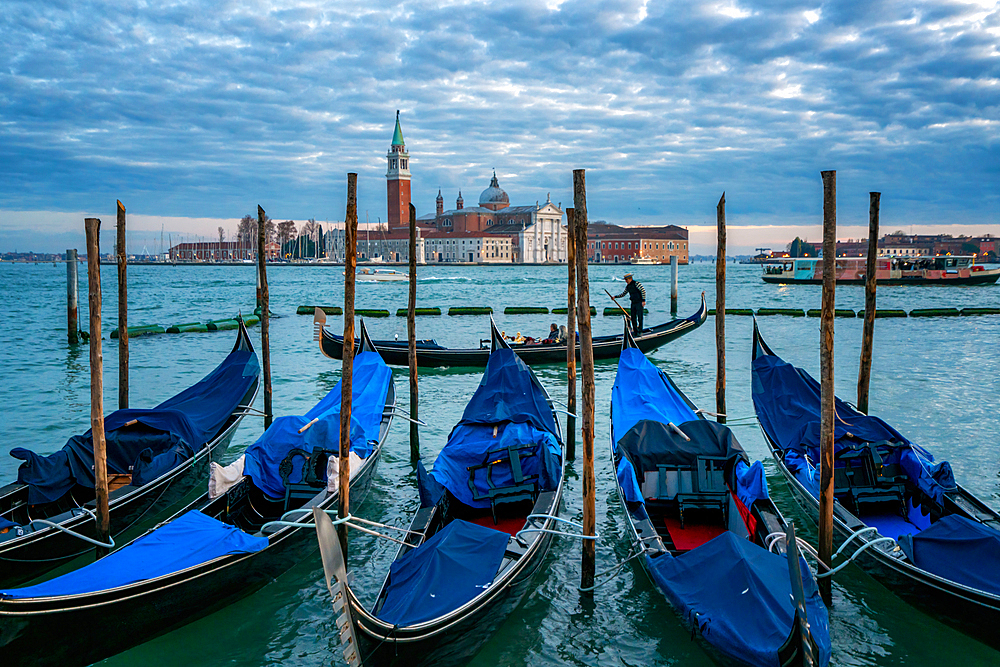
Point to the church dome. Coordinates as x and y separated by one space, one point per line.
493 194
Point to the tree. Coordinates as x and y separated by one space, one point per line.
222 235
247 230
286 231
800 248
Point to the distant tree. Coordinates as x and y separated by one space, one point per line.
970 248
800 248
222 235
286 231
247 230
898 232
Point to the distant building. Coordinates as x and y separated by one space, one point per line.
615 244
224 251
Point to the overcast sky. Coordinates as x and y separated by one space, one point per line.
194 112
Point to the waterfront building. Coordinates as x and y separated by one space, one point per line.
397 177
221 251
616 244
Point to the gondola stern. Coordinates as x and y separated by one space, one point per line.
628 340
243 341
760 348
800 648
319 323
497 341
335 576
366 341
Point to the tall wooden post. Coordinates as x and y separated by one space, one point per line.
826 377
867 343
720 312
93 229
571 334
72 298
265 313
122 311
347 372
673 284
587 362
411 337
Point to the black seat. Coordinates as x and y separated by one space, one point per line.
864 477
313 473
522 489
702 486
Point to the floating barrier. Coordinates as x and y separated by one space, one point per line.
525 310
470 310
609 311
223 325
790 312
733 311
837 312
190 327
980 311
141 330
563 311
371 313
890 312
329 310
933 312
251 320
401 312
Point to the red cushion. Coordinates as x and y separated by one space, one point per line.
692 535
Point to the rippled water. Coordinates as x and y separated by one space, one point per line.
935 379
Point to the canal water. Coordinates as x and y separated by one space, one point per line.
935 379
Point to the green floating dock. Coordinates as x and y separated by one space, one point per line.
564 311
141 330
525 310
371 313
789 312
733 311
189 327
889 312
933 312
470 310
608 312
401 312
223 325
329 310
980 311
837 312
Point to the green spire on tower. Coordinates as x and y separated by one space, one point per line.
397 136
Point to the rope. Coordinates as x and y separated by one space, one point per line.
109 545
771 540
610 571
545 517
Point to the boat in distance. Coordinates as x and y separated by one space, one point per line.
367 275
432 355
924 270
902 514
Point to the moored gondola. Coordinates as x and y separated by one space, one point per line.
704 528
215 551
155 457
901 514
482 530
431 354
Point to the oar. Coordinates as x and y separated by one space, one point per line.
617 304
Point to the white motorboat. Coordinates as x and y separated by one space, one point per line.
380 275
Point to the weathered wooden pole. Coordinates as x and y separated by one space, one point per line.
265 313
72 298
867 343
720 312
347 368
93 229
122 311
571 334
826 377
411 337
587 363
673 284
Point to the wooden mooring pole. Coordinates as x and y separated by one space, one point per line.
265 313
720 312
867 342
673 284
93 229
72 298
587 363
122 310
571 334
826 378
347 368
411 338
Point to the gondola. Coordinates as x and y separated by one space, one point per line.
431 354
216 550
482 529
704 528
900 512
155 457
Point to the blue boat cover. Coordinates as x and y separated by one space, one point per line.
189 540
751 484
628 482
164 436
369 385
644 392
958 549
508 409
787 401
739 597
451 568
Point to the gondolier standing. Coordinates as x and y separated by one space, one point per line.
637 295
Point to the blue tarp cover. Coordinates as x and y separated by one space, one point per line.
628 482
751 484
171 432
451 568
739 596
509 400
958 549
370 382
787 399
191 539
642 391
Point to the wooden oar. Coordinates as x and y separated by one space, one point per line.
618 304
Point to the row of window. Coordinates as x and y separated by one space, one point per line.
627 245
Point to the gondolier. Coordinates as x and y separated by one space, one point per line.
637 295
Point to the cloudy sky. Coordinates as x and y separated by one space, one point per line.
193 112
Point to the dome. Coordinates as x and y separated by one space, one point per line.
493 194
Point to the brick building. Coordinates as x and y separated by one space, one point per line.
221 251
615 244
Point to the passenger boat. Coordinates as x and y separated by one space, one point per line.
215 551
936 270
644 260
919 533
367 275
481 532
155 457
431 354
704 528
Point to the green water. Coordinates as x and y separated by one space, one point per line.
935 379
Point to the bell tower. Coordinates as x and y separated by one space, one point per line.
397 179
